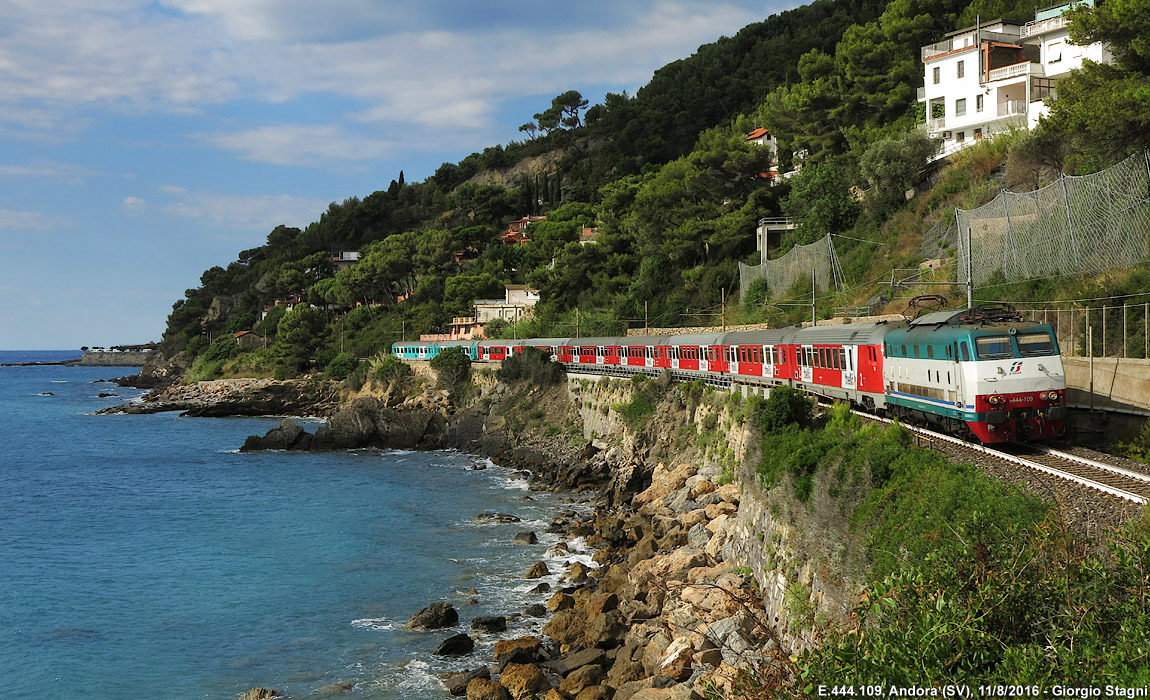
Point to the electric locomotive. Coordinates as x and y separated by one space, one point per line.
981 373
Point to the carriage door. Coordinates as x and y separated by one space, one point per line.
850 369
805 353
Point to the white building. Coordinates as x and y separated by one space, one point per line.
518 303
992 77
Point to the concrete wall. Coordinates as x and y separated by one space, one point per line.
1119 384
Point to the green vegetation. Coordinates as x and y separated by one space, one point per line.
674 190
453 367
970 581
533 366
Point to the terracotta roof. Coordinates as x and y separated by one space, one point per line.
757 133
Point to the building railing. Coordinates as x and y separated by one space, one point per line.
936 124
1042 26
1015 70
1011 107
937 49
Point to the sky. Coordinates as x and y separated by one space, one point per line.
144 142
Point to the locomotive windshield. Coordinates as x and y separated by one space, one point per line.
993 347
1030 344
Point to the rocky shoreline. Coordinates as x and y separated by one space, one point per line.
661 614
234 397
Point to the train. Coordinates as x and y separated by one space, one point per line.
984 374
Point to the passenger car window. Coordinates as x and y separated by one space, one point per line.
993 347
1035 344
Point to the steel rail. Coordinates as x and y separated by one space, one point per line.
1052 471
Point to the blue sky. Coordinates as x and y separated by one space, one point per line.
143 142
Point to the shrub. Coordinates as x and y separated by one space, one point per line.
785 406
388 367
532 365
342 365
453 366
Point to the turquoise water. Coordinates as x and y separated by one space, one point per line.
143 556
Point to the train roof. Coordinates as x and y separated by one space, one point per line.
847 333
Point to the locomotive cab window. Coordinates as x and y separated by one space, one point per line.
1031 344
993 347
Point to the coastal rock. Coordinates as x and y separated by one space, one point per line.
365 422
434 616
525 538
577 660
560 601
595 692
580 678
489 625
288 436
457 682
523 650
258 693
490 517
535 610
543 587
538 571
523 680
486 689
337 688
457 645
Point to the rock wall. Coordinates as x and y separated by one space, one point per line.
115 359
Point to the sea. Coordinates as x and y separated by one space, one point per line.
143 556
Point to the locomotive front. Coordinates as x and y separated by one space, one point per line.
983 373
1017 383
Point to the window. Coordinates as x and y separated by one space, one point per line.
965 352
978 100
1035 344
960 107
977 134
960 136
961 68
930 351
937 70
993 347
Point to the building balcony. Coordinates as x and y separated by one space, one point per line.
1042 26
922 94
1015 70
936 124
1010 108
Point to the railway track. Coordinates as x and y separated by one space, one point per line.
1115 481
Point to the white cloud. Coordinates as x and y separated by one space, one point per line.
243 212
427 66
301 145
59 171
23 220
134 202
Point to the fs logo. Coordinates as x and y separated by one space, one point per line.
1016 367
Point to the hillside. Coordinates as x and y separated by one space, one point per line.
675 207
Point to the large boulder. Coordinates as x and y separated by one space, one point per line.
486 689
288 436
523 680
457 682
583 677
523 650
538 571
456 645
433 617
489 625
